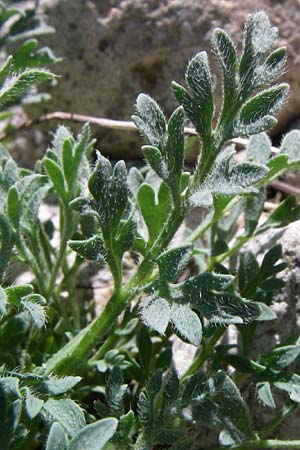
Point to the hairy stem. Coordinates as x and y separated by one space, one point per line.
107 345
218 259
66 226
76 352
73 356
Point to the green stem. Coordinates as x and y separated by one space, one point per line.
27 255
206 352
205 225
205 162
114 262
66 230
74 304
218 259
107 345
264 443
75 353
73 356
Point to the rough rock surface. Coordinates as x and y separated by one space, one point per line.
114 49
286 304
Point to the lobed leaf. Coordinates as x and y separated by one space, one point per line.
33 404
258 39
56 176
32 305
198 78
287 212
281 357
232 409
272 68
228 180
206 294
109 188
156 161
154 211
18 85
254 206
58 386
7 242
92 249
115 391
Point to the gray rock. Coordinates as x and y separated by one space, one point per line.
286 304
114 49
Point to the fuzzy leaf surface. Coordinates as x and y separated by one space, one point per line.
95 435
156 313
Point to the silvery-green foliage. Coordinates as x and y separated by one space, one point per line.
14 86
290 146
228 179
241 112
112 211
22 27
66 162
74 380
259 148
165 152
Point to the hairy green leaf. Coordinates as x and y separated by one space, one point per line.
156 313
263 104
18 85
56 176
226 53
291 146
150 120
281 357
109 188
227 179
7 242
57 386
259 148
198 78
57 439
95 435
287 212
33 305
66 412
265 394
33 404
92 248
115 391
154 211
186 323
172 262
